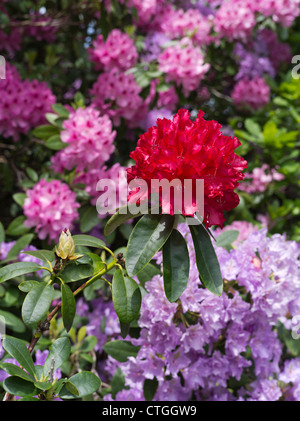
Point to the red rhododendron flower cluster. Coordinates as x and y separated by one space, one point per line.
190 150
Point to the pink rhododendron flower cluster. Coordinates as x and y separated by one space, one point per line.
254 93
184 64
23 104
180 23
117 95
89 137
117 51
234 20
49 206
167 99
281 11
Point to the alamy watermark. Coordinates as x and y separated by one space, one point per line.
159 196
296 69
2 68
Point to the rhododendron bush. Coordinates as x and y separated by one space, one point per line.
149 230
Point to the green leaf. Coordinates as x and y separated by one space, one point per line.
44 255
146 274
89 219
45 131
88 241
26 286
146 239
253 127
61 110
19 198
17 269
71 388
97 262
88 344
55 143
17 227
176 266
121 350
43 385
68 307
226 238
85 383
37 303
117 382
150 388
18 350
121 216
58 354
19 387
20 244
75 272
126 297
33 175
206 260
13 322
15 370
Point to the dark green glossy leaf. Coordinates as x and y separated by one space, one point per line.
88 241
19 387
75 272
37 303
44 255
176 266
146 274
146 239
126 296
17 269
68 307
150 388
121 350
89 219
85 383
20 244
18 350
121 216
58 354
206 259
13 322
26 286
15 370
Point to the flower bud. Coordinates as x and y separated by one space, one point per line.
66 245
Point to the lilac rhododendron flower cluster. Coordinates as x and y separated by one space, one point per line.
199 345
